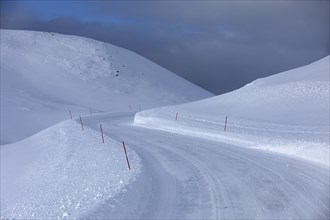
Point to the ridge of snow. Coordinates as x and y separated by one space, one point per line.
285 113
63 172
45 75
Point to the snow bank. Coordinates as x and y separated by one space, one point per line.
63 172
285 113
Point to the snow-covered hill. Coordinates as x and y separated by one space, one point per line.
46 75
287 113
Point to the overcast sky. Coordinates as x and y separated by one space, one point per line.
218 45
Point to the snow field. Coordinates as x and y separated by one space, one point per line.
63 172
284 113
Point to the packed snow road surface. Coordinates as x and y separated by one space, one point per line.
189 177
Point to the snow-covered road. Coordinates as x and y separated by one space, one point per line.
189 177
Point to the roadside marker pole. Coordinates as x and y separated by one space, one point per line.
130 107
139 108
90 111
82 126
176 117
102 133
129 167
70 115
225 124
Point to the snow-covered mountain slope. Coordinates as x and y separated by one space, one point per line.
287 113
46 75
63 172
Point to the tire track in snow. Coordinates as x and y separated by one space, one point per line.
207 175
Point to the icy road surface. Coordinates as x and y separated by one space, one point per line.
188 177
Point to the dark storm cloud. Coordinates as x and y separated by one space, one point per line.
219 45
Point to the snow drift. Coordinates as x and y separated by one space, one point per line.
44 75
286 113
63 172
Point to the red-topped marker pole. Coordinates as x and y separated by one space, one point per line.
129 167
225 124
82 126
102 133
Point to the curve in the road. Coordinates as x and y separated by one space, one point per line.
200 179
